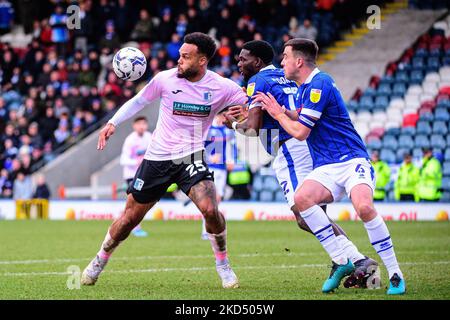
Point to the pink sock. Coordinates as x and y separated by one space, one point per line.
219 246
108 246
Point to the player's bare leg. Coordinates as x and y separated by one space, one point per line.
119 231
203 194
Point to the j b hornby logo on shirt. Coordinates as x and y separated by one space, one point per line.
191 110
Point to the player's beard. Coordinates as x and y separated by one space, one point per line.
189 73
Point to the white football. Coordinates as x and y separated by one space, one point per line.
129 63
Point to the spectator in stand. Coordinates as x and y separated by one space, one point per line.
307 30
166 27
124 17
23 187
84 35
110 39
48 124
205 16
224 25
6 183
173 47
144 28
60 33
42 191
181 26
430 181
406 183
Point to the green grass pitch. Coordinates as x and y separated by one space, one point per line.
273 260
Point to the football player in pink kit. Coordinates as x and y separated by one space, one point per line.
190 97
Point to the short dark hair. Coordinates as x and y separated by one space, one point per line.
260 49
140 118
306 47
204 43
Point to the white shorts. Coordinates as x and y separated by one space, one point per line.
220 180
291 165
340 178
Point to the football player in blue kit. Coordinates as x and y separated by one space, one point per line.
292 159
341 164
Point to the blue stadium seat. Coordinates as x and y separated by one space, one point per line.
448 140
279 196
440 127
422 141
409 131
433 62
446 168
254 195
258 184
374 144
445 197
435 52
390 142
401 76
426 116
399 89
387 79
381 102
266 196
416 77
405 142
393 131
271 184
437 141
423 127
421 52
387 155
447 154
369 92
352 105
417 153
418 63
445 103
366 103
441 114
384 89
446 183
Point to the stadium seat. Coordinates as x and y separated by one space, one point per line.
445 197
446 168
432 77
397 103
414 90
266 196
422 141
426 116
384 89
441 114
379 116
405 142
258 184
366 103
440 127
387 155
416 77
390 142
401 76
446 183
279 196
447 154
271 184
423 127
381 102
443 104
399 89
417 153
410 120
408 131
437 141
364 116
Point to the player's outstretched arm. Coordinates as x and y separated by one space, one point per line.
107 131
293 127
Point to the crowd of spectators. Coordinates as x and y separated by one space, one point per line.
61 84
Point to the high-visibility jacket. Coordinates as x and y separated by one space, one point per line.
430 180
383 176
406 183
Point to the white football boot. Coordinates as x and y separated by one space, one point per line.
229 279
92 271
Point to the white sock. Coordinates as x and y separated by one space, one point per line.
318 222
350 249
203 226
108 246
381 241
219 247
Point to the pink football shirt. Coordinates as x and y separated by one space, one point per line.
187 110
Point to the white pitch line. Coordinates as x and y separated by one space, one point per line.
193 269
244 255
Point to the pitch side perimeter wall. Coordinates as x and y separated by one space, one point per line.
172 210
